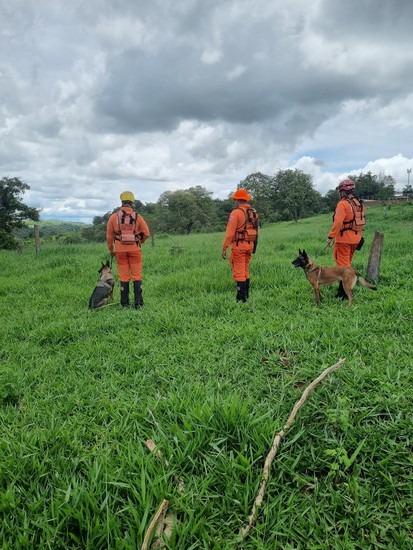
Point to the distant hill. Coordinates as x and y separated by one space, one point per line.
50 228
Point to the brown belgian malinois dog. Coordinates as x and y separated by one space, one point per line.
328 275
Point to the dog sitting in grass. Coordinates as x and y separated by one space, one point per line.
328 275
103 292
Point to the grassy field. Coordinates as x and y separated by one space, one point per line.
209 381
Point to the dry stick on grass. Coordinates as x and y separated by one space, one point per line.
163 531
151 445
244 531
157 518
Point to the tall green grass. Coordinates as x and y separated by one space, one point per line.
209 381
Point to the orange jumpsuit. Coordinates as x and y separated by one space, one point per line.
241 252
128 256
345 243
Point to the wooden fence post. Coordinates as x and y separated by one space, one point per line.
37 238
373 267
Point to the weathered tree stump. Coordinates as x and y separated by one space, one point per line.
373 267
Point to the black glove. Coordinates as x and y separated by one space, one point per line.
360 245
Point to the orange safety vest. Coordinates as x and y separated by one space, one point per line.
126 228
358 222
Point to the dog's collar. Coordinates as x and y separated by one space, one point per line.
312 268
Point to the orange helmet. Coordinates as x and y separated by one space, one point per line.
241 195
346 185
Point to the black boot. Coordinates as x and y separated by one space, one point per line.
241 291
124 294
247 288
341 295
137 288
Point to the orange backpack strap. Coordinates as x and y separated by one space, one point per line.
358 221
250 218
126 226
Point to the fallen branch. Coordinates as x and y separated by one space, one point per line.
164 531
244 531
157 518
151 445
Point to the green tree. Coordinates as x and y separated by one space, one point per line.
294 196
261 188
408 191
331 198
187 210
13 211
222 210
373 187
386 187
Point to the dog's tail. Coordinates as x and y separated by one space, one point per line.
363 282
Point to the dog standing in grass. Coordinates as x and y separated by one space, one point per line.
103 292
317 276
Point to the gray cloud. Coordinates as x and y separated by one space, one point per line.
104 95
148 89
367 18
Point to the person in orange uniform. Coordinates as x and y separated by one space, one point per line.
347 230
126 231
242 236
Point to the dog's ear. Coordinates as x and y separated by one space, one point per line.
305 254
107 263
299 252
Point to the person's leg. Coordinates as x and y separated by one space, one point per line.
135 262
238 272
124 275
353 248
248 257
343 254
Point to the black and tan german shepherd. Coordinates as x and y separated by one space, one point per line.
328 275
103 292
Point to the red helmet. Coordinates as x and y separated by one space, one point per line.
346 185
241 195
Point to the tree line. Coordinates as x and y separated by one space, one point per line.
287 195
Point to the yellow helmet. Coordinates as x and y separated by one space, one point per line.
127 196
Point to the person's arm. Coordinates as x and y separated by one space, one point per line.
110 234
232 226
142 229
339 217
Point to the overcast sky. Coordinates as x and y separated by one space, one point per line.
98 96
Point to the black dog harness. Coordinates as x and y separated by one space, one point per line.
314 269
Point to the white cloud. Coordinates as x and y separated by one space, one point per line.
324 181
211 56
96 97
236 72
